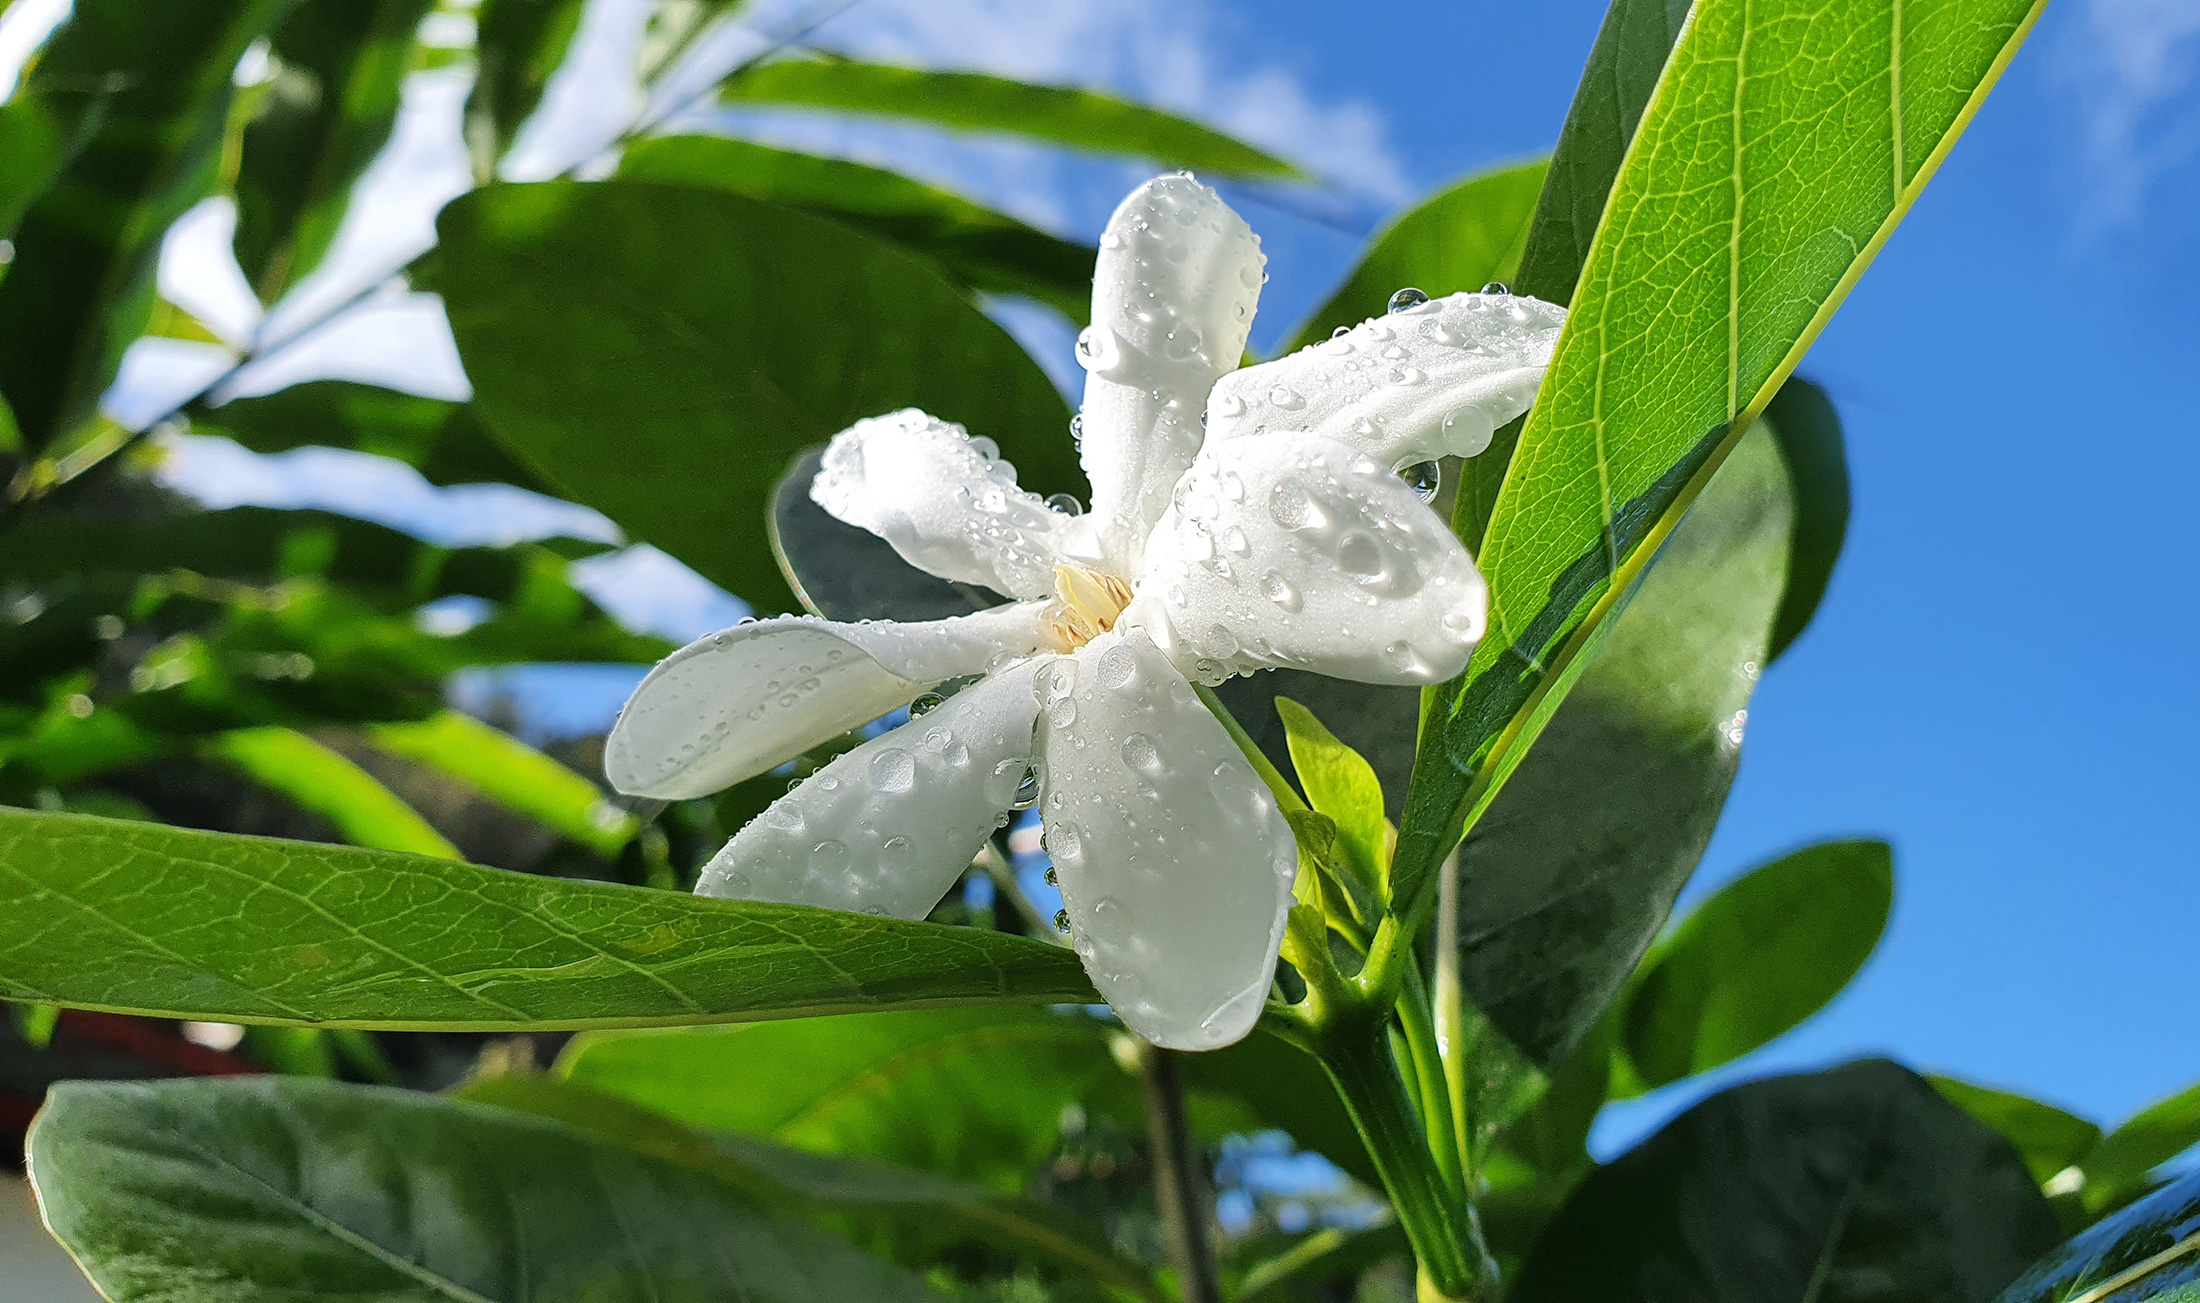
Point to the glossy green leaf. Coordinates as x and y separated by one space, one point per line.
979 248
973 101
2118 1167
251 929
1624 65
1461 238
364 811
80 287
1570 874
1809 430
843 572
511 773
2046 1138
1784 141
1340 784
339 66
661 353
932 1211
518 45
1858 1183
445 441
1770 949
2147 1253
255 1188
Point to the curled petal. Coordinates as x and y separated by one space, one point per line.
945 502
888 827
1174 862
1173 295
1430 381
1295 550
736 703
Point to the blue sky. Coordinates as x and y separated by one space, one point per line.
2000 680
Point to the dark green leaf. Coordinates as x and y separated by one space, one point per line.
364 812
1859 1183
1569 875
80 287
973 101
443 440
2148 1253
845 573
1461 238
926 1212
1785 140
339 67
2046 1138
139 918
281 1187
981 249
519 43
1630 52
1809 430
662 353
1765 953
2118 1167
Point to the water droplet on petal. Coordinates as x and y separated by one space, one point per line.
1117 668
893 771
1141 754
1229 405
1285 398
1424 478
1027 790
925 705
1061 920
1066 503
1407 298
1290 506
1360 556
1279 590
896 853
1494 287
1467 430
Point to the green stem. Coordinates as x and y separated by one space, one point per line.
1441 1229
1451 1017
1179 1195
1438 1121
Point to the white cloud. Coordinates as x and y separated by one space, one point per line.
2133 66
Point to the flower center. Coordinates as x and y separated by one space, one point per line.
1086 604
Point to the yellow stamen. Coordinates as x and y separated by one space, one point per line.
1086 605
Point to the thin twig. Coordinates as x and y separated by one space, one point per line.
1178 1190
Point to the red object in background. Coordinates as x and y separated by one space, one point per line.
97 1046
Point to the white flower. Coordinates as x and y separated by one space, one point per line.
1278 535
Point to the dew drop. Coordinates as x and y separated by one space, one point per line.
1111 921
1117 668
1279 590
1061 920
1027 789
1360 556
1467 430
1405 660
1052 879
1062 713
1235 542
892 771
1462 626
1287 399
1407 298
896 853
1229 405
829 854
1289 505
1141 754
1424 478
1066 503
925 705
1494 287
1065 844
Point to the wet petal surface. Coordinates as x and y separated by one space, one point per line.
735 703
1295 550
1174 862
889 827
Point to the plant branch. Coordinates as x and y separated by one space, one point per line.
1178 1191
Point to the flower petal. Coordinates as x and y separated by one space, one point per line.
1173 295
1174 862
1295 550
944 500
1431 381
888 827
734 704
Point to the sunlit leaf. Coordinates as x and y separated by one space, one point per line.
2118 1167
1341 784
364 812
511 773
2046 1138
251 929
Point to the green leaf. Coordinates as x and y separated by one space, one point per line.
511 773
973 1094
1769 950
364 811
1784 141
340 65
2118 1167
2147 1253
843 572
255 930
1809 430
1624 65
1321 1258
924 1213
444 441
80 287
662 353
973 101
1340 784
249 1188
1570 874
517 45
977 247
1460 238
2046 1138
1859 1183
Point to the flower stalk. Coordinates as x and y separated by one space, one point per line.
1179 1194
